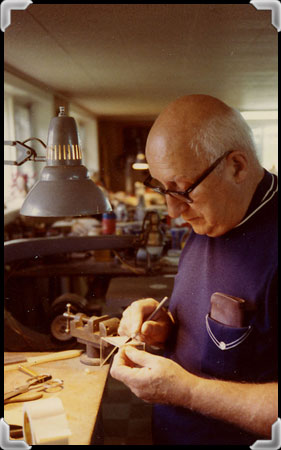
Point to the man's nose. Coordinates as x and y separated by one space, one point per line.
175 206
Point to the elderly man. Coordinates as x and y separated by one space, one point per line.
217 381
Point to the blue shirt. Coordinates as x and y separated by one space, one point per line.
241 263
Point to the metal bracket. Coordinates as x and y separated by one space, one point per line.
24 153
275 441
275 8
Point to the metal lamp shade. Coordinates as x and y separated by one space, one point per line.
64 188
64 191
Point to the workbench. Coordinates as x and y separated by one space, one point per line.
81 394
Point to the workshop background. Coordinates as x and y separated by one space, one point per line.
114 68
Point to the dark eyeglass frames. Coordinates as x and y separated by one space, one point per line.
183 195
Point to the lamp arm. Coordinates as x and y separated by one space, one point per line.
35 139
26 153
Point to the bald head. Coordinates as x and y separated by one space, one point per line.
198 124
182 119
192 110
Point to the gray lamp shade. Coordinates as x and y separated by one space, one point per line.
64 191
64 188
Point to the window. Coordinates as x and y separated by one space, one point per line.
27 113
266 139
17 126
264 125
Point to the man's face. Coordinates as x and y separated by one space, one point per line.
212 212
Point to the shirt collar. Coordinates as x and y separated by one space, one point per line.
263 190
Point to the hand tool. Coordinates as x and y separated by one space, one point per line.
32 373
40 359
39 382
151 316
34 381
16 431
50 386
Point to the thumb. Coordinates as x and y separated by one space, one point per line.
139 357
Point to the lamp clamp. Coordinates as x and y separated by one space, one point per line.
24 152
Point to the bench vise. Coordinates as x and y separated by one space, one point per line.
90 331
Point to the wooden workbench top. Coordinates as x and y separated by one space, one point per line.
81 395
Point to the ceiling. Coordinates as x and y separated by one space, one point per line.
130 60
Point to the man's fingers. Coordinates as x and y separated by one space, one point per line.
153 333
123 368
134 316
139 358
152 329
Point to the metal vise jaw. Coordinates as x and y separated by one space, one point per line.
89 331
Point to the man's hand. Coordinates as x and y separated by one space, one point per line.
153 378
153 332
252 407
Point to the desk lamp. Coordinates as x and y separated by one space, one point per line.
64 188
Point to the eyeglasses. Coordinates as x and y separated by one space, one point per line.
156 186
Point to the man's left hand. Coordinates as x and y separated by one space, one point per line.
152 378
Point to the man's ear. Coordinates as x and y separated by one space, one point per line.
238 164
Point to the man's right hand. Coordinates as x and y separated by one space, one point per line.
133 322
